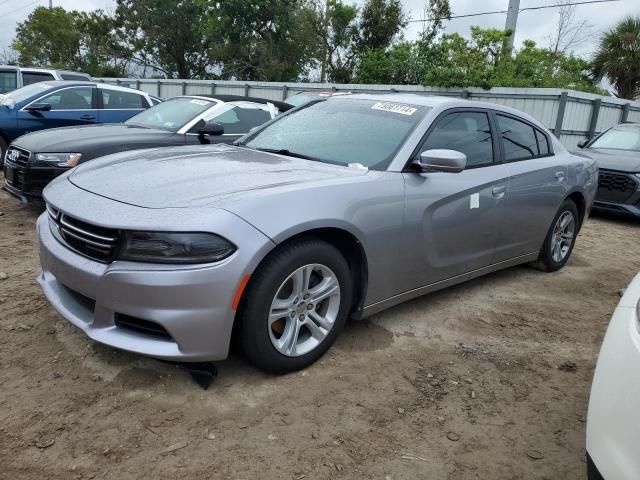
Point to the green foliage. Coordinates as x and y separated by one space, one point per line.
166 35
618 58
381 22
261 39
72 40
288 40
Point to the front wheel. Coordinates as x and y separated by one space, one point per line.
296 304
560 239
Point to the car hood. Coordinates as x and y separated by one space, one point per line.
70 139
621 160
192 176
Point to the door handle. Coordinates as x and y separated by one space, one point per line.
499 191
87 117
559 176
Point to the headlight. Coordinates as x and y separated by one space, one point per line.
60 159
160 247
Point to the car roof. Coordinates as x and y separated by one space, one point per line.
437 102
282 106
88 83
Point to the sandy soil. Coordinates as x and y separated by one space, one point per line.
487 380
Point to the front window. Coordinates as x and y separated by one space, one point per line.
171 115
70 99
466 132
342 131
622 137
8 81
236 119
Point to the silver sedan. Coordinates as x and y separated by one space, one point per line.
341 208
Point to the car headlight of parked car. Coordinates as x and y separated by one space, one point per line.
60 159
161 247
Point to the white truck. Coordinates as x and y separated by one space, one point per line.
12 77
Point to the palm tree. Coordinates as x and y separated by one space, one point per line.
618 58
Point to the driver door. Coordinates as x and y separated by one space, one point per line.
453 220
69 106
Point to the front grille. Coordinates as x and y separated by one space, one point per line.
16 159
95 242
17 156
615 187
140 325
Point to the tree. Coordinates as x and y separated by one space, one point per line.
570 32
336 29
166 35
381 22
73 40
270 40
618 58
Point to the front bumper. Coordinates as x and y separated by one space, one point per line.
613 425
192 304
27 182
618 193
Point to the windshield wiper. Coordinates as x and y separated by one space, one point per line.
288 153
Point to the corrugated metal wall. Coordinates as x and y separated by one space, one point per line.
582 115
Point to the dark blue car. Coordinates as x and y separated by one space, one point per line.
62 104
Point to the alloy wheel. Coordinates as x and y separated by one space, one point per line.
304 310
562 239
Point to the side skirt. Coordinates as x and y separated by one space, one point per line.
418 292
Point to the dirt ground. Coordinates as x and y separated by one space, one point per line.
487 380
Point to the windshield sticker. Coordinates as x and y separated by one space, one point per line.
395 108
199 102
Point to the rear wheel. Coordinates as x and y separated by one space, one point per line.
560 239
295 306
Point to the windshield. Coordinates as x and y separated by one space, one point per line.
24 93
171 115
622 137
342 131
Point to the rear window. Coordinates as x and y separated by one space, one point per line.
8 81
33 77
118 100
518 138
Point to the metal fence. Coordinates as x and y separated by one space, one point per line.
572 116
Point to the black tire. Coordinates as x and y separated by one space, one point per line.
3 150
546 261
254 335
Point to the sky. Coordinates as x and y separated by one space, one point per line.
535 25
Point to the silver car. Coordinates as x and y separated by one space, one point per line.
341 208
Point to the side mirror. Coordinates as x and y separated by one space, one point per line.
39 107
211 128
583 143
438 160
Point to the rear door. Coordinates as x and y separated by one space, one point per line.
453 220
116 106
538 184
69 106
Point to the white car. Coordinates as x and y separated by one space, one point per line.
613 423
